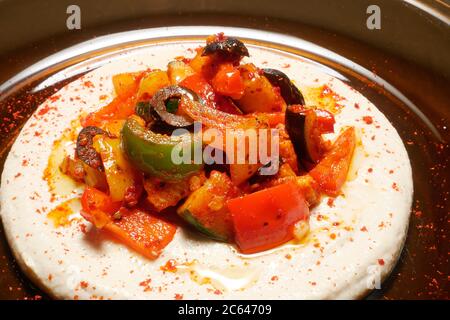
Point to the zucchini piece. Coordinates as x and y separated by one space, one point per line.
205 209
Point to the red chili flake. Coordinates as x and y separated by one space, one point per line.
83 228
368 119
146 285
395 186
88 84
288 256
330 202
178 296
333 236
17 175
103 97
84 284
54 98
50 277
370 170
217 292
313 283
44 110
286 65
381 262
357 105
274 278
170 266
24 162
364 229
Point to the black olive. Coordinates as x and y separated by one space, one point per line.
228 49
159 104
290 93
84 149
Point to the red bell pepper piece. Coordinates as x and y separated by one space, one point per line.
331 172
265 219
137 229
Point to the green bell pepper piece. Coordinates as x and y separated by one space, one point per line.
151 152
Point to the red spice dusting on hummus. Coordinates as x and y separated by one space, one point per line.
395 186
170 266
274 278
146 285
381 262
84 284
88 84
178 296
330 202
364 229
368 119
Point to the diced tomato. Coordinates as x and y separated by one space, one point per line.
228 82
142 232
265 219
98 206
94 199
331 172
121 107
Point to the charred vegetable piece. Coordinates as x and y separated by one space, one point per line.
266 219
206 209
85 150
151 152
305 128
290 93
168 95
228 49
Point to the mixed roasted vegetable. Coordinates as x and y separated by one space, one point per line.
133 186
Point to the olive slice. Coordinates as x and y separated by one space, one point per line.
170 93
85 150
290 93
229 48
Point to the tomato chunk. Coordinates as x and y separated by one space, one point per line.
265 219
331 172
228 82
98 206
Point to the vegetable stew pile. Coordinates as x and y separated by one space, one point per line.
124 154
